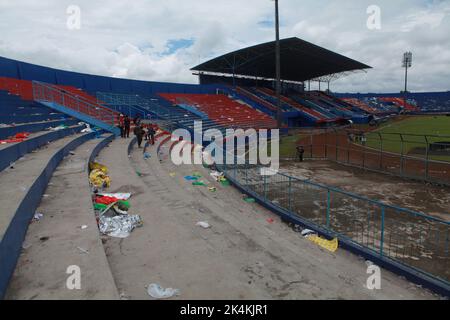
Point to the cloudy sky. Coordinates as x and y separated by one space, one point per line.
161 40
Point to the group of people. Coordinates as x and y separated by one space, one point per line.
358 137
141 131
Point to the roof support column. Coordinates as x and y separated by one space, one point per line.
277 64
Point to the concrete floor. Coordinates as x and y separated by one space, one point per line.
242 255
57 240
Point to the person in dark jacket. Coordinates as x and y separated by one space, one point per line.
139 133
127 125
151 134
122 125
300 152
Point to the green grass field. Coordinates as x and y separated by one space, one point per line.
413 130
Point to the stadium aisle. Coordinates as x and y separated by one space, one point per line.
242 255
58 240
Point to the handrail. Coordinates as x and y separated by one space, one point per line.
49 93
383 230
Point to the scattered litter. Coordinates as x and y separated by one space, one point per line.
37 216
112 200
369 263
119 226
119 211
99 179
72 153
198 183
96 165
197 174
203 224
138 173
83 227
26 246
60 127
147 155
225 182
330 245
46 195
212 189
270 220
190 178
100 206
172 174
44 238
83 250
88 128
307 232
158 292
216 175
249 199
119 196
18 137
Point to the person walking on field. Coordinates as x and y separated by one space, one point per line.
139 133
127 125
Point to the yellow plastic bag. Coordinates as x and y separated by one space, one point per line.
330 245
95 165
99 179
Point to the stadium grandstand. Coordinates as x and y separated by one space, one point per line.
54 122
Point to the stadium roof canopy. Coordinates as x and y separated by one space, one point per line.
300 61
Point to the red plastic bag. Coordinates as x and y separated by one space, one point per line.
22 135
10 141
106 200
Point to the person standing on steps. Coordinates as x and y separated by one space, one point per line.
122 125
151 134
139 133
127 124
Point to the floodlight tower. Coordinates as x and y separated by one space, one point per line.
277 64
407 63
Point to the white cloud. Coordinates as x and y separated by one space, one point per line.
130 38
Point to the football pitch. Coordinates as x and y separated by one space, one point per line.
416 133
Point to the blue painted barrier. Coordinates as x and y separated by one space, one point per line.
11 244
366 227
34 127
18 150
28 119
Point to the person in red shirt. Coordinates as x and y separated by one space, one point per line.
122 125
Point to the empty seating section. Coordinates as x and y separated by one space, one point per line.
66 96
393 103
361 105
289 105
315 115
400 102
374 105
335 106
316 106
14 110
223 110
433 101
22 88
152 106
269 96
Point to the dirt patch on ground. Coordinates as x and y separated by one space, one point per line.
423 197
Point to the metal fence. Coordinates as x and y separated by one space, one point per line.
422 157
410 238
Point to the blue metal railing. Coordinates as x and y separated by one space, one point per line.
419 243
75 106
